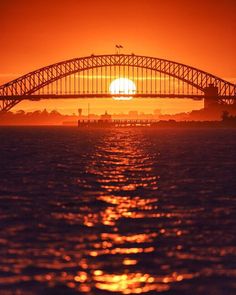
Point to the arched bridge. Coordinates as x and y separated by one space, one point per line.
91 77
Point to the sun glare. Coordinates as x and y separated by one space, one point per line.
122 86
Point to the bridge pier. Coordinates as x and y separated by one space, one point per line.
211 96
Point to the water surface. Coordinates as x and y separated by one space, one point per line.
117 211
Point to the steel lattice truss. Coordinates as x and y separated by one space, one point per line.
26 86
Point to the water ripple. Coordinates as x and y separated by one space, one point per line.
129 211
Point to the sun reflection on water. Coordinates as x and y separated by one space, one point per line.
113 226
136 283
128 192
124 170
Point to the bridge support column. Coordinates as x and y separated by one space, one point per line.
211 96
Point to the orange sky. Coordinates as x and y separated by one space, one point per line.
37 33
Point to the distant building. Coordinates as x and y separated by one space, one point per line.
80 112
106 117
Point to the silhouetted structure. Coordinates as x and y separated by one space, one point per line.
90 77
106 121
211 94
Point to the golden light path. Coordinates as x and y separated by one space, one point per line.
110 259
122 86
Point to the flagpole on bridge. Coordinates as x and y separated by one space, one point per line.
118 49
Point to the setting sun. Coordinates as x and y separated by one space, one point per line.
122 86
118 140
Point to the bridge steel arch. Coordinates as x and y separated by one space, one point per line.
17 90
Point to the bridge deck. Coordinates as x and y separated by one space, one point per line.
103 95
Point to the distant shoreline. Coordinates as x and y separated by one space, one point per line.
157 125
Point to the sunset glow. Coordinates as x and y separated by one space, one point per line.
118 139
122 86
67 32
